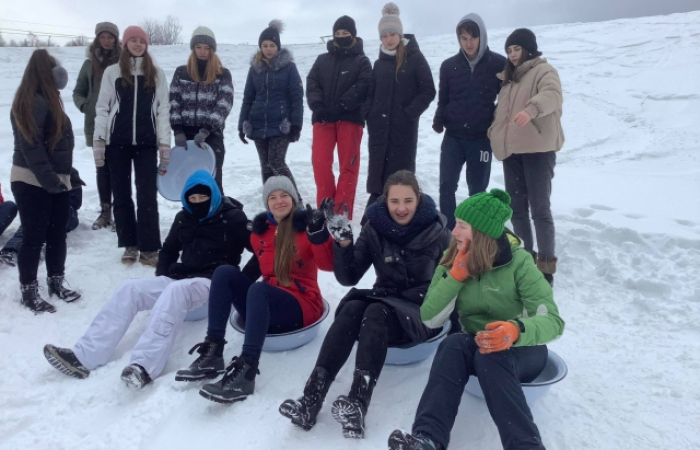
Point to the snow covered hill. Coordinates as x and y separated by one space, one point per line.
627 210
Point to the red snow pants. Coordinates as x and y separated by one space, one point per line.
348 136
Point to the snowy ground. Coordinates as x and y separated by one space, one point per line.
627 212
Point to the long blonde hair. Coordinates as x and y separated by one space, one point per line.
482 253
213 67
285 241
400 57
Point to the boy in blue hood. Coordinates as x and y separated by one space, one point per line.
210 231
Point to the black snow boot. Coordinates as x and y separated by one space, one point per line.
32 300
64 360
135 376
398 440
209 364
236 385
304 410
57 288
350 410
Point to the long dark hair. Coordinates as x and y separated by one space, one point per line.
285 242
148 67
402 178
38 79
509 72
101 58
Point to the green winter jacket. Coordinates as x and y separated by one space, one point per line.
514 291
85 97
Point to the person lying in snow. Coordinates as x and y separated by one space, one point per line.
508 314
210 231
404 238
290 244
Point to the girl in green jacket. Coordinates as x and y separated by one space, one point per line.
507 313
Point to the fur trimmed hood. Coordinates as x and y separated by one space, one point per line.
282 59
261 223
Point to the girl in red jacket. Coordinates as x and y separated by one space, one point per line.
289 246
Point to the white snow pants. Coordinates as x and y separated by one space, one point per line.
169 299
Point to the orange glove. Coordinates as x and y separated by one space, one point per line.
459 269
498 336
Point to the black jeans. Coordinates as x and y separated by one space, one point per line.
528 180
144 233
500 375
272 153
104 184
44 218
216 141
264 309
373 325
8 212
454 153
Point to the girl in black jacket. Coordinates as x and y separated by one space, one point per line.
404 240
402 89
201 98
336 88
40 177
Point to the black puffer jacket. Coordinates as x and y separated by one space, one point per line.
340 77
204 245
44 163
395 104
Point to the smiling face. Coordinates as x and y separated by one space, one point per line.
202 51
402 203
280 204
106 40
391 41
469 44
515 54
269 49
462 232
136 46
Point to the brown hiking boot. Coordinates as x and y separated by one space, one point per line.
105 218
131 254
149 258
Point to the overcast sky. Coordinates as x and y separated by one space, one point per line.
239 21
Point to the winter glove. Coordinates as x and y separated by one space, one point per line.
180 140
201 137
459 269
164 153
338 224
294 134
498 336
58 189
98 152
438 126
322 115
316 219
241 135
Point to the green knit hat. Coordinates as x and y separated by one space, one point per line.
487 212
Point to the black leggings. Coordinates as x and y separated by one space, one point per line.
373 324
272 153
44 218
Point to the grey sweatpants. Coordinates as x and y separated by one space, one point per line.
528 178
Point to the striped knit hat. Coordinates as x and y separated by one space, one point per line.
487 212
390 22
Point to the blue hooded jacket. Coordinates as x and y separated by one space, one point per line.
204 178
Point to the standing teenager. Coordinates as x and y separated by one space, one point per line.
201 98
402 89
40 177
468 89
507 313
402 222
273 103
132 127
336 89
210 231
104 51
290 244
525 135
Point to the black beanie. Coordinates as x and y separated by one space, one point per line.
272 33
524 38
345 23
198 189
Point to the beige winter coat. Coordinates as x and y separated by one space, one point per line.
538 92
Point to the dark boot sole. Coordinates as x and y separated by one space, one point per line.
207 376
50 309
66 299
346 413
62 366
222 400
286 409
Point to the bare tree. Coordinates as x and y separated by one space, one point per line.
152 29
2 41
80 41
171 31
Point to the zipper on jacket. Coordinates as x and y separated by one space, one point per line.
136 97
267 100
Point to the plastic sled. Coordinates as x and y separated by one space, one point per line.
396 356
554 371
183 163
285 341
196 314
